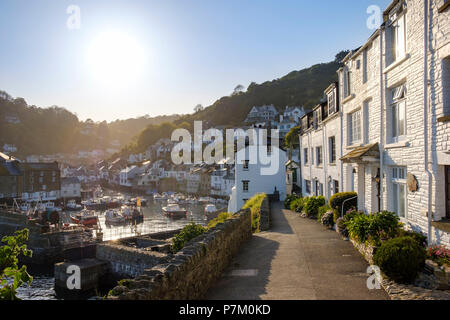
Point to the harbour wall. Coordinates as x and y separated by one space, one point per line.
189 273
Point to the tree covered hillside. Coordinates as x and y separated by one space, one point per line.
298 88
35 130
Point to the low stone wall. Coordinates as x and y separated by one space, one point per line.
124 261
398 291
191 272
264 223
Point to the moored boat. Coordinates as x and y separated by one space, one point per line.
210 208
175 211
86 218
114 217
73 206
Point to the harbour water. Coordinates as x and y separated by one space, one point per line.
42 287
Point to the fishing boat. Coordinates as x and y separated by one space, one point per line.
132 214
210 208
114 217
73 206
94 204
86 218
49 206
175 211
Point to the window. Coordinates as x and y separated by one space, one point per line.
331 103
246 162
305 155
336 186
399 191
348 83
332 149
319 156
398 113
312 156
396 34
446 84
355 127
245 186
308 186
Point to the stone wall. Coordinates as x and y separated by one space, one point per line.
191 272
125 261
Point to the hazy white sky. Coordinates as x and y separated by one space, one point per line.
137 57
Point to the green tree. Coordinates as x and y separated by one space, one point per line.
9 264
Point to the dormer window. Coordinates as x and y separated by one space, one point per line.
331 103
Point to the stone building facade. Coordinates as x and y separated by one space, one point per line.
320 147
394 95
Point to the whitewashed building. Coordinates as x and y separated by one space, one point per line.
251 180
70 188
320 147
395 105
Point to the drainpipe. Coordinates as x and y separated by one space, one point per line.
425 120
381 200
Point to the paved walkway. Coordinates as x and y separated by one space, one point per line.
297 260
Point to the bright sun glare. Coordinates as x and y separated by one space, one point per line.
115 58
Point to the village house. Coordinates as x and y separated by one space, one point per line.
262 114
70 188
393 114
40 181
249 179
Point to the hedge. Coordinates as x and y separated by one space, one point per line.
254 204
312 205
337 200
401 259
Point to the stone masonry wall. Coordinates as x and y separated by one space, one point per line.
124 261
190 272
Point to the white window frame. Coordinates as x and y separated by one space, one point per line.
398 113
319 156
331 103
330 147
355 126
398 182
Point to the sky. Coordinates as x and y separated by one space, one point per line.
120 59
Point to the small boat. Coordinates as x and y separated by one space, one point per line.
210 208
114 217
73 206
175 211
158 197
172 201
50 207
132 214
94 204
86 218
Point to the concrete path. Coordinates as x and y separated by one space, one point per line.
297 260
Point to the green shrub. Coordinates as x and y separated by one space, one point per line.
374 227
337 200
188 233
221 218
288 201
254 204
322 210
420 238
400 259
312 205
297 205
